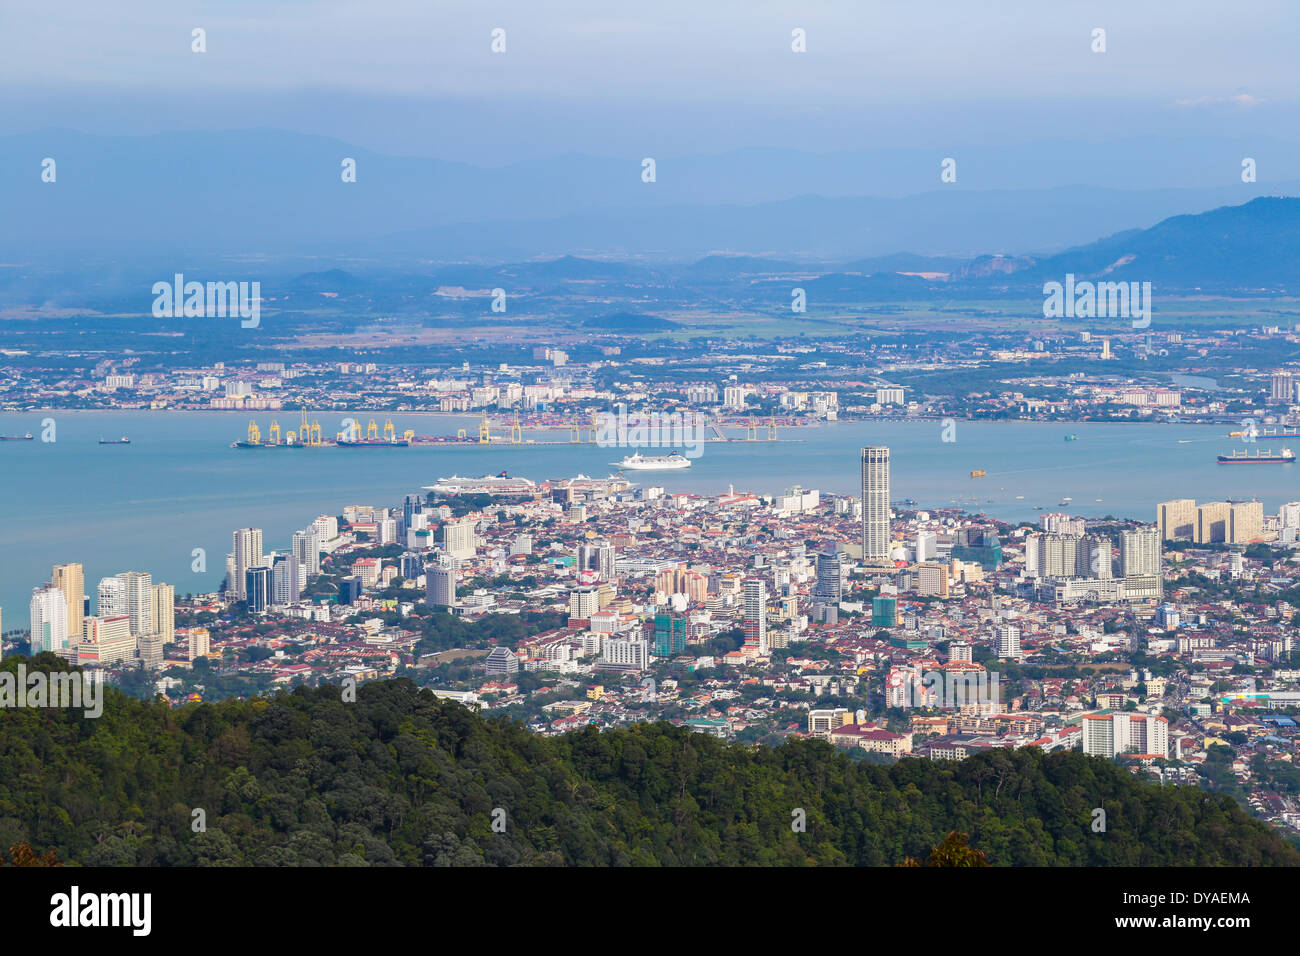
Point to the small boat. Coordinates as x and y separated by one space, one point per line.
978 473
27 437
1071 437
115 441
1020 497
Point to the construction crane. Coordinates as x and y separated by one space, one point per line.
771 428
751 430
254 434
372 431
273 433
390 433
484 436
516 432
575 430
409 435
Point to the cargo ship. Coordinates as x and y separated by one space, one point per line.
372 443
27 437
1267 457
115 441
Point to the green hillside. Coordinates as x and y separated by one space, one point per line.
400 778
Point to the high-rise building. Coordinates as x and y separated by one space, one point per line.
138 586
598 557
875 504
1108 735
162 612
1139 551
248 555
110 598
70 579
258 588
670 635
583 603
926 546
285 580
1282 387
49 620
830 583
756 614
440 585
1006 640
1176 519
458 538
1245 522
884 612
306 548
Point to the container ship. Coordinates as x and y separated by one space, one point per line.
638 462
1267 457
115 441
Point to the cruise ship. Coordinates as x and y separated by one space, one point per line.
639 462
501 484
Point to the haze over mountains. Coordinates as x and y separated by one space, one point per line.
268 192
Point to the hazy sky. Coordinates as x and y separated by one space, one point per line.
679 76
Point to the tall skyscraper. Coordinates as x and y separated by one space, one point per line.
875 504
49 619
756 614
248 555
70 579
162 612
458 538
1177 518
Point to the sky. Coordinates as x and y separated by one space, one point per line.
672 77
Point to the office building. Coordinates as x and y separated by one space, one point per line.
583 603
258 589
501 661
884 612
349 589
829 588
440 585
875 505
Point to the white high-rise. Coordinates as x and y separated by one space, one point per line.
163 612
756 614
110 600
49 619
875 504
139 600
458 538
440 586
248 555
1139 551
306 548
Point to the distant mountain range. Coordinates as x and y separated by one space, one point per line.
269 193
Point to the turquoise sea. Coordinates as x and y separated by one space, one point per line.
179 486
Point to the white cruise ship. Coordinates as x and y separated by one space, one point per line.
639 462
501 484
